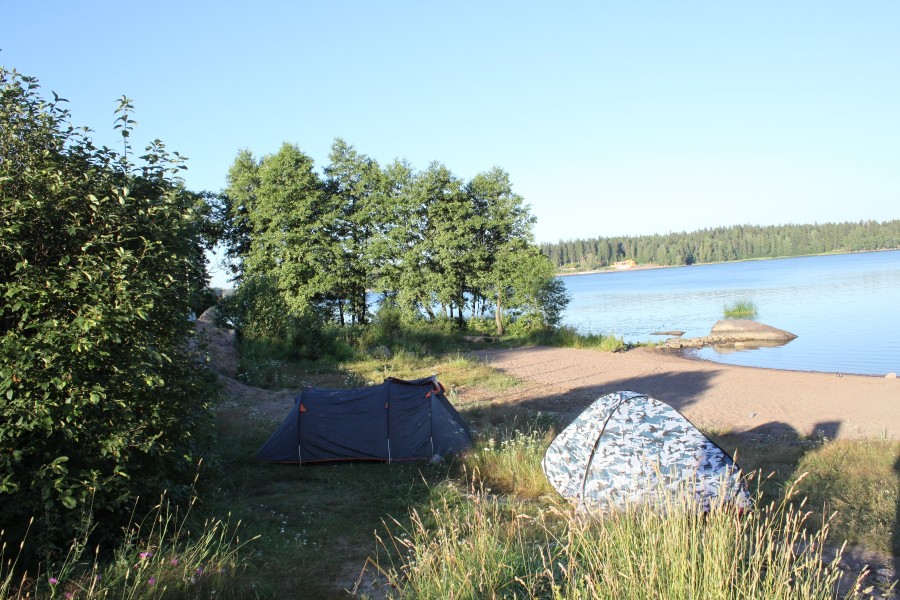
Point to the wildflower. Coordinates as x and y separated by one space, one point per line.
151 581
54 581
146 554
199 570
69 595
174 562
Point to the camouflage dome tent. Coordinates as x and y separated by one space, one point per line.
628 448
393 421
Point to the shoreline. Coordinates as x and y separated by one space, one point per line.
652 266
687 354
753 401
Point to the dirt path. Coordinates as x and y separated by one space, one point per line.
723 397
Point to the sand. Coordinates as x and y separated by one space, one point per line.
721 397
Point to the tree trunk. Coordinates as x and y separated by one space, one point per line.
428 311
498 316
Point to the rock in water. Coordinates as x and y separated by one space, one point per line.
745 330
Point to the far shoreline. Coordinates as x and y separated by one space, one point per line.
653 266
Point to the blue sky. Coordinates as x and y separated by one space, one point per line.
612 118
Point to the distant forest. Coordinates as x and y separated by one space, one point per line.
739 242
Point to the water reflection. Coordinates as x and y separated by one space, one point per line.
747 346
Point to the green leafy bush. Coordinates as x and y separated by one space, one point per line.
100 398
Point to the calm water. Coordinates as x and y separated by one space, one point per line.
844 309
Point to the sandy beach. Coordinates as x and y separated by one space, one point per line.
723 397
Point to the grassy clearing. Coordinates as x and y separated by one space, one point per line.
316 523
489 525
486 524
454 370
273 367
741 309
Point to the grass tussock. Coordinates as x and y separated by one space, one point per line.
508 461
741 309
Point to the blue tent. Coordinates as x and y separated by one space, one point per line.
395 421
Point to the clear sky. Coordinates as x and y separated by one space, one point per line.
612 118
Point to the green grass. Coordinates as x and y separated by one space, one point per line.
507 460
857 481
568 337
454 370
368 354
317 523
741 309
168 554
483 546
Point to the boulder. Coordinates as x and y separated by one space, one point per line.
745 330
674 333
739 333
208 316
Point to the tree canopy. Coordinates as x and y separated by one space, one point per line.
721 244
427 242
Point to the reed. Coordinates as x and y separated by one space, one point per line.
741 309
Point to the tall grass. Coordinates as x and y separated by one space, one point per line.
741 309
465 546
508 461
160 557
485 547
569 337
506 536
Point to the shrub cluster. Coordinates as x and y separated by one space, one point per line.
100 400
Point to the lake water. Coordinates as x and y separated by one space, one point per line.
844 308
